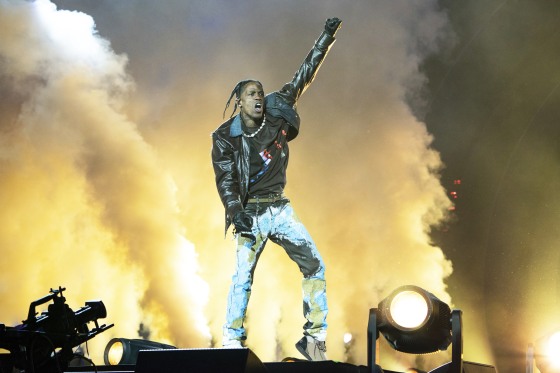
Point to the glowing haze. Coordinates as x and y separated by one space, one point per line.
107 186
85 203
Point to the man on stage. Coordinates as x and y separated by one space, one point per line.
250 157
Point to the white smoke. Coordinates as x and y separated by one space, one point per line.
85 201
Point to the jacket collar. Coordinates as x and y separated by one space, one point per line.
236 129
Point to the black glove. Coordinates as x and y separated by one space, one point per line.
332 25
242 222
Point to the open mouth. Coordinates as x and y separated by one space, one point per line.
258 107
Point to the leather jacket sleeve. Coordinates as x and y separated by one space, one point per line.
305 75
228 179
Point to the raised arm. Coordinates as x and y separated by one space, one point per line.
293 90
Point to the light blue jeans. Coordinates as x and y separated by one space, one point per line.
279 223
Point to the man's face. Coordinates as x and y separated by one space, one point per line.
251 101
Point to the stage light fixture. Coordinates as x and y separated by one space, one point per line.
123 351
415 321
547 353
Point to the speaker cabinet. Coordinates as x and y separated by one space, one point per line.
207 360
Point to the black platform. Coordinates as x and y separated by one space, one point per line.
219 360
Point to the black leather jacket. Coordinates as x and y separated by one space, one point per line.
230 150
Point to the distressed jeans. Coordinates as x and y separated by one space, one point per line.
279 223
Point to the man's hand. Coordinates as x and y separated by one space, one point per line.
332 25
242 222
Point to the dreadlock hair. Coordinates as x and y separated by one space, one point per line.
237 92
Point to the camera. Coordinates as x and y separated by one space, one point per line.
45 342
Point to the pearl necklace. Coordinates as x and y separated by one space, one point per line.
258 130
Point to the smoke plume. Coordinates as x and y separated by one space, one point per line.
85 201
108 187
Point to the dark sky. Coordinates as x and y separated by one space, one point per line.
494 112
413 96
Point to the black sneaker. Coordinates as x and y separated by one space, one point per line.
312 349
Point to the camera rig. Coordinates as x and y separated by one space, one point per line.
44 343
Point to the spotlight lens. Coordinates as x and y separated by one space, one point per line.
553 349
409 309
115 353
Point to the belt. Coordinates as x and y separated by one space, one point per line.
270 198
